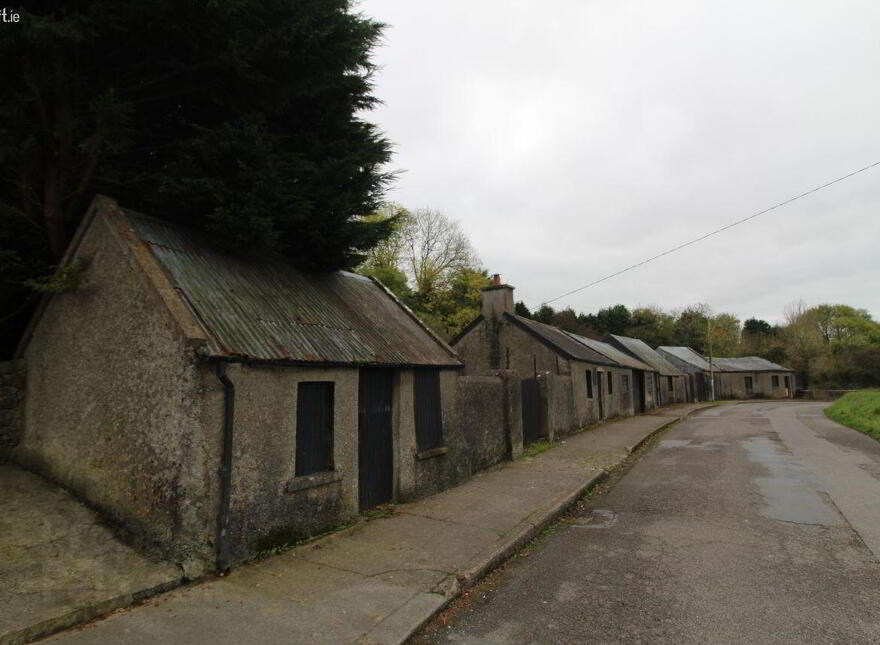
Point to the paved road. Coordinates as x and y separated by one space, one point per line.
750 523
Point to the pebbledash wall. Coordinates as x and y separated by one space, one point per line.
494 339
122 409
732 385
12 388
270 506
117 409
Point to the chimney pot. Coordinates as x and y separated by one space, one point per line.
496 279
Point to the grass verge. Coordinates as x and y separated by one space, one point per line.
537 448
859 411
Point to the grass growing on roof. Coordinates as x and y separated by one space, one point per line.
858 410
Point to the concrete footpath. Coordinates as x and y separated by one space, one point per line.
60 564
381 580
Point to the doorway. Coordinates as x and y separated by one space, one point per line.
375 437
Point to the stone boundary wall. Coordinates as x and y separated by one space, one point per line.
558 400
822 395
489 417
12 381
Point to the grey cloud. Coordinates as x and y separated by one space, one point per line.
573 138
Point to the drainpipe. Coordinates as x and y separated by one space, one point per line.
222 541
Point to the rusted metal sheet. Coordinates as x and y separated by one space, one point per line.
266 310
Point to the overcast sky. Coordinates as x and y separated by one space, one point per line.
572 138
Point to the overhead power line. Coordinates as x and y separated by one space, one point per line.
715 232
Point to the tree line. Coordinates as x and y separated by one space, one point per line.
828 345
430 264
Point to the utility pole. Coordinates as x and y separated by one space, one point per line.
711 366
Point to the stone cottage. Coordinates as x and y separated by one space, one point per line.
644 397
670 384
693 365
565 385
735 378
217 407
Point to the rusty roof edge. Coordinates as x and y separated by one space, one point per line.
409 312
279 362
178 308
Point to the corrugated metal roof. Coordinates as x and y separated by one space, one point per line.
647 355
269 311
560 341
747 364
687 355
621 358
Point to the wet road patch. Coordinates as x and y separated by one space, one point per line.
792 492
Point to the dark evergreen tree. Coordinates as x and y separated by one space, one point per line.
241 119
757 327
613 320
544 314
520 309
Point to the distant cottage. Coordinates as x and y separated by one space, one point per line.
735 378
216 406
568 381
670 384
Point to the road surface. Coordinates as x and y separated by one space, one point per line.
749 523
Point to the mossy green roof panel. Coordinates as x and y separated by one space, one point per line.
265 310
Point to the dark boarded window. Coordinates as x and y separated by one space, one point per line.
775 380
669 383
624 382
429 423
787 382
589 384
749 384
314 427
610 383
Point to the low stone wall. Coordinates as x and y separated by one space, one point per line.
12 377
822 395
556 391
483 428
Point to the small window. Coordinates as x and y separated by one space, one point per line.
624 382
314 427
589 374
788 382
775 381
670 383
610 383
428 412
749 384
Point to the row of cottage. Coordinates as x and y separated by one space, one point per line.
215 408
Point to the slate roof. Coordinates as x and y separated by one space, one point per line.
687 355
644 353
747 364
266 310
560 341
621 358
